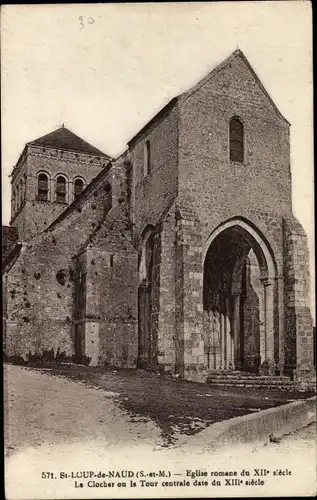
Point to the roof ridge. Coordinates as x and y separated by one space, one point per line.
224 63
64 138
211 73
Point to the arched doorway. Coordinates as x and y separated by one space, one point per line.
146 348
238 299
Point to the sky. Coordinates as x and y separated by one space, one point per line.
105 69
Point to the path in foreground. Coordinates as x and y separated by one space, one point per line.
177 407
54 424
47 409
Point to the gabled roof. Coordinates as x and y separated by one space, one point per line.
62 138
161 114
184 95
223 64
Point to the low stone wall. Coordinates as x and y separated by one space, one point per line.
256 427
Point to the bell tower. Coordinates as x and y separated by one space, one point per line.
51 173
19 185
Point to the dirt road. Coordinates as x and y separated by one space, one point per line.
47 409
57 426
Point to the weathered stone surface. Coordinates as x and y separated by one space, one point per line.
127 274
10 237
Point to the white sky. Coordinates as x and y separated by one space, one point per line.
107 79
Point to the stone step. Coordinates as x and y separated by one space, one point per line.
256 378
235 378
266 381
234 373
231 372
280 387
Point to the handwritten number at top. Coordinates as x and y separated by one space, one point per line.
90 20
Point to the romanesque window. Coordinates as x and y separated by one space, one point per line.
60 189
236 140
147 158
146 255
14 201
17 198
24 185
108 200
21 191
149 255
42 187
79 186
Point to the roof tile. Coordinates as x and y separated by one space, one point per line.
62 138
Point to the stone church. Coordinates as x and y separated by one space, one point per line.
182 255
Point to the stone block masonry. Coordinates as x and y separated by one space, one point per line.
150 266
299 353
189 324
32 216
42 291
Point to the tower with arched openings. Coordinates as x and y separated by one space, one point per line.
49 175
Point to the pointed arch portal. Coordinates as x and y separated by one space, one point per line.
239 299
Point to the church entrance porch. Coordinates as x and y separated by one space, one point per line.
238 301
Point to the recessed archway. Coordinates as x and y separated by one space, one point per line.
238 298
146 347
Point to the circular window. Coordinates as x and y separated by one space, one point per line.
61 277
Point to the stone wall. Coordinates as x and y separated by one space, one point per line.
9 239
74 288
152 200
157 296
40 284
32 217
299 355
155 192
252 290
190 355
110 307
166 312
258 189
217 189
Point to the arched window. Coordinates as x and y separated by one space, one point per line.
79 186
108 200
42 187
147 158
21 191
146 255
24 186
149 254
236 140
14 201
61 189
18 198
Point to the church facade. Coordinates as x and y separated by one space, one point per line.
182 255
